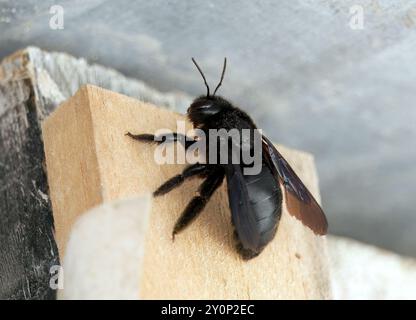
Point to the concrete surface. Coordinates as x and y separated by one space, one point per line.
360 271
309 79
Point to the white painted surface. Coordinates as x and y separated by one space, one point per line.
105 251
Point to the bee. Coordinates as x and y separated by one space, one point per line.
255 200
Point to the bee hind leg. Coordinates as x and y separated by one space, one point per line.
197 204
176 181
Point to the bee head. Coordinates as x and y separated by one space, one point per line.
205 107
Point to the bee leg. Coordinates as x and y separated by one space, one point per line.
197 204
173 137
176 181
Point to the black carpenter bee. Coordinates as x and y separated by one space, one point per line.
255 200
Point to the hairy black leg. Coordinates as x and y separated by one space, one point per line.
197 204
176 181
173 137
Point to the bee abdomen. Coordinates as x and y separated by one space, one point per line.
265 199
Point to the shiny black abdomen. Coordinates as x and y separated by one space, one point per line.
265 198
256 218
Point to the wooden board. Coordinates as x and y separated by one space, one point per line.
90 160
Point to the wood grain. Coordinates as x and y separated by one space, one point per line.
90 160
27 245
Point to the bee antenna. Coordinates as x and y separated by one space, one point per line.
202 74
222 75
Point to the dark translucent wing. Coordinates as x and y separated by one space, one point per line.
299 201
242 214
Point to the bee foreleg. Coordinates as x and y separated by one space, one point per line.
173 137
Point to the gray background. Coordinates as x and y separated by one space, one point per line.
307 78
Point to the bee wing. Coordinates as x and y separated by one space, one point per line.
242 214
299 201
